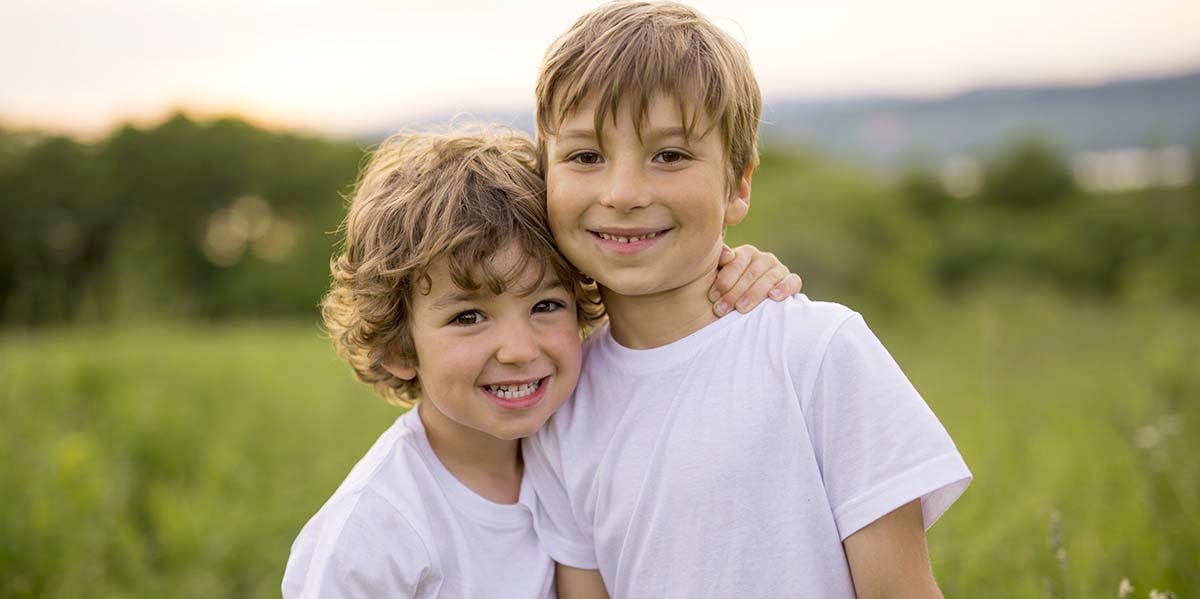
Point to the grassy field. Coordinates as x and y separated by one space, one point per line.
181 460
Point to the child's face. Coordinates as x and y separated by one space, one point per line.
645 215
497 364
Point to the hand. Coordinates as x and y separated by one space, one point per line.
746 276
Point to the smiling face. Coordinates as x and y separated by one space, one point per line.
498 364
645 214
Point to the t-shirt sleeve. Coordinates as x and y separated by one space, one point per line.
559 531
360 547
878 444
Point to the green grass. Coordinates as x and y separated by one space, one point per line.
1078 414
169 461
181 460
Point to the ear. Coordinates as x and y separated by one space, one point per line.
739 200
401 369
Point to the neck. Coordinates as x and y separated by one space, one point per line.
654 320
490 467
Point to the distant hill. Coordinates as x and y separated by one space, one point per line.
885 131
1132 112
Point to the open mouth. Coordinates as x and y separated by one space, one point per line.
519 391
517 395
628 237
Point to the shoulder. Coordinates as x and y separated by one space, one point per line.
596 340
393 468
369 539
358 545
596 365
798 328
800 310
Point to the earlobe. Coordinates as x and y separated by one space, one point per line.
736 211
739 201
401 369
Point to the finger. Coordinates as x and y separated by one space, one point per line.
757 291
726 256
728 274
789 286
757 269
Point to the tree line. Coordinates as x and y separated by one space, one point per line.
220 218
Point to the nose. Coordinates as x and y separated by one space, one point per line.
518 344
626 188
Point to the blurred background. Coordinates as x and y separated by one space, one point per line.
1009 192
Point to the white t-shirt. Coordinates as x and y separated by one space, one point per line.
733 463
401 525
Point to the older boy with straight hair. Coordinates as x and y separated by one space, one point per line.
450 290
779 453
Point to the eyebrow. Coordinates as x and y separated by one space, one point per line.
550 283
458 297
665 132
589 134
577 134
463 296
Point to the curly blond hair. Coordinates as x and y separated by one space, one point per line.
464 195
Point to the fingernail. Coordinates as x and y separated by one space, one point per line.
722 308
776 294
713 295
726 252
742 304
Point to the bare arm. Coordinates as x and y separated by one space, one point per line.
888 557
574 583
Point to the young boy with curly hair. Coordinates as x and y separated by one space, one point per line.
450 291
777 453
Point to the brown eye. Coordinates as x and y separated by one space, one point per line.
548 306
670 156
467 318
586 158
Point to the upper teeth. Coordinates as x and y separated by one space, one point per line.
622 239
513 391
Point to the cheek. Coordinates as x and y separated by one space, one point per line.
572 352
708 213
452 358
562 194
563 340
555 213
554 191
556 216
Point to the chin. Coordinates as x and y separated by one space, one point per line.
515 433
633 287
520 430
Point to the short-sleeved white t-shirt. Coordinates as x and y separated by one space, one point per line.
402 526
733 462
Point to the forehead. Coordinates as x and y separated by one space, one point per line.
512 270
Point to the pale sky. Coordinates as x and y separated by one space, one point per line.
83 65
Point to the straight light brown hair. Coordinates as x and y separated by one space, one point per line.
629 53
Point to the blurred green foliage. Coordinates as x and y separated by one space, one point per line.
181 460
1050 328
898 244
220 219
118 227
